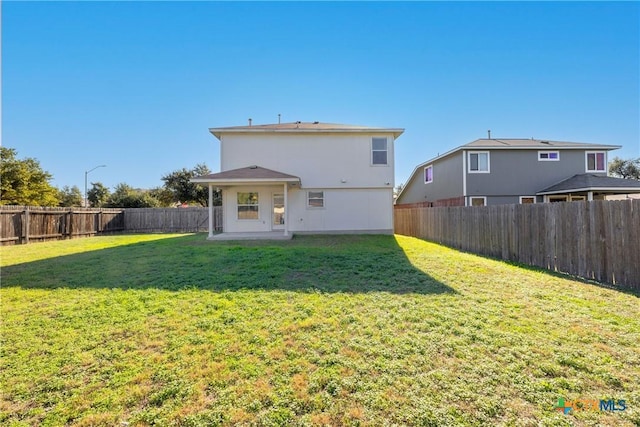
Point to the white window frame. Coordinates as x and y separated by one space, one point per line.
528 197
256 204
595 153
309 198
386 150
548 159
425 174
479 152
557 198
484 200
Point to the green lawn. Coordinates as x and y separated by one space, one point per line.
335 330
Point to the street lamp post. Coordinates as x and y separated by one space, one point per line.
86 201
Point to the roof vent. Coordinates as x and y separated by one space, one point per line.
250 120
315 123
544 142
253 167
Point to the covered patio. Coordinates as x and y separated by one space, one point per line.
589 187
253 178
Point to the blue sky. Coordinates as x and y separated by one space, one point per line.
136 85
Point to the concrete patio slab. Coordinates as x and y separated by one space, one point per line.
268 235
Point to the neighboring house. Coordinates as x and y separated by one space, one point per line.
305 178
503 171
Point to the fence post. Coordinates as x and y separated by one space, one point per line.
25 226
67 224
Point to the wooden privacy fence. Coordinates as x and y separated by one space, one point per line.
597 240
168 220
22 224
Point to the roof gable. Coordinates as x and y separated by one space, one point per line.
247 174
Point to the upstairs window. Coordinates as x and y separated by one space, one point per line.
248 206
428 174
478 162
548 156
596 161
379 151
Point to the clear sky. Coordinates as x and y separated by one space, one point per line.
136 85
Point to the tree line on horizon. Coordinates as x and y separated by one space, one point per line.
24 182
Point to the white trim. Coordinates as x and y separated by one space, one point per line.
464 176
247 204
210 211
425 174
286 210
234 181
278 227
621 190
548 159
324 205
218 132
527 197
386 151
484 200
586 161
488 153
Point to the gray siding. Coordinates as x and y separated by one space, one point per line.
513 173
447 182
517 173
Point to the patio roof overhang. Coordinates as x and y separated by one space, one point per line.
597 184
250 175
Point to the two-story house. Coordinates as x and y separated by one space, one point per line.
305 178
503 171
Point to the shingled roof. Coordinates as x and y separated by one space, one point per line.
304 127
252 173
537 144
591 182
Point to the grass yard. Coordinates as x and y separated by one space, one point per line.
165 330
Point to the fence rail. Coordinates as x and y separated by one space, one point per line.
597 240
22 224
25 224
150 220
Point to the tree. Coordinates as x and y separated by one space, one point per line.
98 194
164 196
397 190
184 191
24 182
70 196
125 196
627 169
